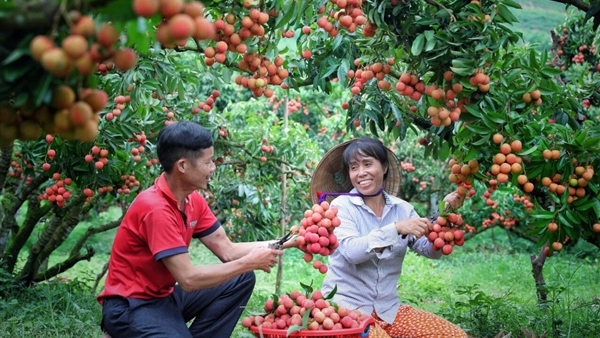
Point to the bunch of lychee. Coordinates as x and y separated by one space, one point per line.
181 20
315 234
377 71
444 233
263 73
208 104
57 192
82 50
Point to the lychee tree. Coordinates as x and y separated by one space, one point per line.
86 85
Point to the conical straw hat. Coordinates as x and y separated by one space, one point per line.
329 176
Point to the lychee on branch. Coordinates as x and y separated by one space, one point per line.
199 49
278 161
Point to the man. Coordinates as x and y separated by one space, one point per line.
152 288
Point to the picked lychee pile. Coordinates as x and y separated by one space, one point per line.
315 235
288 310
444 233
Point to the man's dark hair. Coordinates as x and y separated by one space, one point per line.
181 139
366 146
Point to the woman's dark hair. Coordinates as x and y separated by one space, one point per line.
181 139
366 146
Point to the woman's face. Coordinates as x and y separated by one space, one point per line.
366 174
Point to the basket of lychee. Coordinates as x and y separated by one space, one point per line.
315 233
308 314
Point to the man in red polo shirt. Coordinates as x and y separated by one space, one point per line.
152 288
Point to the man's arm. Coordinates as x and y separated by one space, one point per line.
225 249
191 277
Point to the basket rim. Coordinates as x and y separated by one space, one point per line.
313 333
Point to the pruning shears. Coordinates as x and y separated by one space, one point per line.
278 244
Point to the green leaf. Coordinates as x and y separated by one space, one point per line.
308 289
596 207
290 11
342 71
15 55
119 10
528 151
543 215
324 73
571 216
512 4
417 46
180 90
430 45
332 293
505 13
444 151
293 328
583 203
549 71
563 220
533 59
396 112
473 110
478 129
462 71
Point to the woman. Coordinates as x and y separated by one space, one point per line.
376 230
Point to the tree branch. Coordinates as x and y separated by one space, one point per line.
92 231
277 161
99 277
582 6
64 265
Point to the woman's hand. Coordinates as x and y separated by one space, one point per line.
454 200
413 226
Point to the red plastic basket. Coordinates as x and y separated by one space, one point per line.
362 331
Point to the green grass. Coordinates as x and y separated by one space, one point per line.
536 19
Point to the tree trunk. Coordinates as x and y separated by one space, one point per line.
35 212
7 221
55 230
67 224
537 265
5 156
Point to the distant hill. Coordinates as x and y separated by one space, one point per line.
537 19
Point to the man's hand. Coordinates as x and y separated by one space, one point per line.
414 226
263 258
453 200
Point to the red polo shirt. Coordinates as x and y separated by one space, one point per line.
154 228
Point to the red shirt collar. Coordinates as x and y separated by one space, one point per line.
163 186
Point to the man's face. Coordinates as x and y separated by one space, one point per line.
199 172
